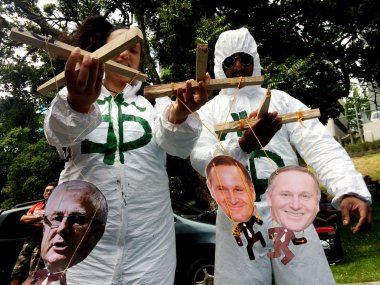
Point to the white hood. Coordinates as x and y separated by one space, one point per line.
231 42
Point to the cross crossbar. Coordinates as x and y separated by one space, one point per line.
155 91
245 124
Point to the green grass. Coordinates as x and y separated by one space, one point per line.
361 262
368 165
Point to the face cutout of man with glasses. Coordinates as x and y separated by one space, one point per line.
74 222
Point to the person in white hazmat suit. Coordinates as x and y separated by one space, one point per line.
116 140
236 55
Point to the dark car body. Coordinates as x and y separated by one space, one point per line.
195 243
12 237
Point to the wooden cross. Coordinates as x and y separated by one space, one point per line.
124 41
155 91
245 124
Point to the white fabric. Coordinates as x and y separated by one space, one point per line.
138 246
311 140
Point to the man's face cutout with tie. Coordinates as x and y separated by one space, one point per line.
293 195
230 185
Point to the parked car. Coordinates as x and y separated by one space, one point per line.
12 237
330 240
195 242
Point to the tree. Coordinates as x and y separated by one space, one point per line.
34 167
355 106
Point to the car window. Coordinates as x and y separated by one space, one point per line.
11 227
183 209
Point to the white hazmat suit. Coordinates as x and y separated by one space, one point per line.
121 146
311 140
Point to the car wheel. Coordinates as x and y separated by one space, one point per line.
202 272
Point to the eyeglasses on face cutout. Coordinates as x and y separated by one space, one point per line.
244 58
75 220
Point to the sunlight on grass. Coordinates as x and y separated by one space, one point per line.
368 165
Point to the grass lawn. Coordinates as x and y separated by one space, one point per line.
368 165
361 262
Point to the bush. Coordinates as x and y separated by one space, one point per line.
362 147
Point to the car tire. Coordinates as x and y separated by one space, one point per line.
201 272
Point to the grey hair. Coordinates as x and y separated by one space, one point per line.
90 191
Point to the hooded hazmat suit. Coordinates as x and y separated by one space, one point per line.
121 146
311 140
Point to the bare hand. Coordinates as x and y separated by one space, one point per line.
353 205
188 101
84 84
264 129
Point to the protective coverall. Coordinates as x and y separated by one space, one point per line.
121 146
310 139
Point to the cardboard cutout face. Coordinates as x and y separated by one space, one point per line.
73 224
233 192
293 199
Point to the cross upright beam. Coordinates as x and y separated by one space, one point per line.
201 62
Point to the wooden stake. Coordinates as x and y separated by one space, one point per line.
201 63
264 105
245 124
155 91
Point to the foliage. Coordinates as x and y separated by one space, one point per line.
308 79
35 166
354 106
362 147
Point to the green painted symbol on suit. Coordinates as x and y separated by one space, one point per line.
261 184
236 117
112 145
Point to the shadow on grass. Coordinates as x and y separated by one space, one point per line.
361 262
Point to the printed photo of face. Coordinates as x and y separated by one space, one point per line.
293 197
74 221
233 191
